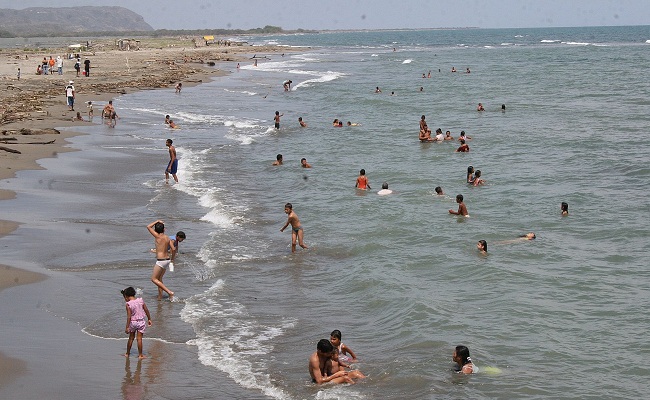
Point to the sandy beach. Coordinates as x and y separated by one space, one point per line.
37 345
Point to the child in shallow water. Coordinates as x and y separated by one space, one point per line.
135 322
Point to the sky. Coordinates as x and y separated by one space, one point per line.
371 14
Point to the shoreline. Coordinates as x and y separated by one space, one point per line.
38 105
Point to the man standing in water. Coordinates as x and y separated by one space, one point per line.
163 247
296 228
172 167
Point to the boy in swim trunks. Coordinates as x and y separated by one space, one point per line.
172 167
296 229
462 210
163 247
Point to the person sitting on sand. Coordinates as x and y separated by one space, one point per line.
463 361
463 148
462 209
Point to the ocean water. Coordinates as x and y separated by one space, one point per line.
561 316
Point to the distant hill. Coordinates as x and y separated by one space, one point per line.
47 21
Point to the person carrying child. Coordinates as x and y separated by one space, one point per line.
136 311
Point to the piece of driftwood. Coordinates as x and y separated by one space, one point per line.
7 149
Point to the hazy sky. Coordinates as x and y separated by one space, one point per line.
371 14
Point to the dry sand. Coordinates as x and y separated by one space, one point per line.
34 105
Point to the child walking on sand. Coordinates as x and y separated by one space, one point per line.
296 228
135 322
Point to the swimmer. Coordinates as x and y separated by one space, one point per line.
353 124
470 174
304 164
276 119
362 181
439 137
463 148
453 69
463 361
423 124
377 90
384 189
477 178
167 119
172 124
297 233
448 136
565 208
522 238
302 123
335 123
503 108
424 76
480 107
482 246
278 160
421 89
462 209
467 70
439 191
463 136
425 136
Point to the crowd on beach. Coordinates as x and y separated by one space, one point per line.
332 361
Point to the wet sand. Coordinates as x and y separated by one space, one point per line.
43 351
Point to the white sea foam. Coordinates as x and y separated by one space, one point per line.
242 92
407 61
647 41
374 55
229 340
577 43
549 41
321 77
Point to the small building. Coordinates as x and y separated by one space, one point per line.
127 44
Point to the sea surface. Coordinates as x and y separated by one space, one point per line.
562 316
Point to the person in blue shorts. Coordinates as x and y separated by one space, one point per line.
172 167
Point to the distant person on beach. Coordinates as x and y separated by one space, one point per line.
69 93
377 90
78 117
463 361
278 160
302 123
480 107
87 67
320 362
362 181
287 85
564 207
477 178
482 246
91 112
136 311
304 163
108 110
346 355
439 191
384 189
163 259
463 148
297 233
179 87
59 65
462 209
77 66
276 119
172 166
18 73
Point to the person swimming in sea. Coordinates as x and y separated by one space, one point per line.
464 364
564 207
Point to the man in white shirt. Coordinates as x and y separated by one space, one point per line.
69 93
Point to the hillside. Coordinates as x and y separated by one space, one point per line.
45 21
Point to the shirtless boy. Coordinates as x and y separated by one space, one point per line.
320 362
462 210
296 228
304 163
172 167
276 119
278 160
163 245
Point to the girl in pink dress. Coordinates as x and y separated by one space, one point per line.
136 311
